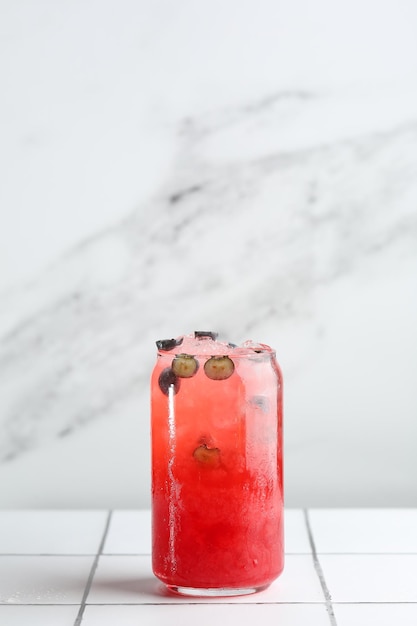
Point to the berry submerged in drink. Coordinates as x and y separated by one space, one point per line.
217 475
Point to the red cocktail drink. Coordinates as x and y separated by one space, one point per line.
217 486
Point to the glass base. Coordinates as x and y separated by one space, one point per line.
212 592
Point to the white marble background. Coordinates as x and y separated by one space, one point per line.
245 166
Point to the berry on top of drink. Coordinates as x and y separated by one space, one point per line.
184 365
219 367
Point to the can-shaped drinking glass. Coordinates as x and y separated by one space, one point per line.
217 466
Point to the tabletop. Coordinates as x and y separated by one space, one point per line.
92 567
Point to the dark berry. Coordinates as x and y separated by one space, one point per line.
168 380
261 402
168 344
198 334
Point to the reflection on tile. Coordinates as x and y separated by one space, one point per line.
190 615
129 579
371 577
43 579
51 532
364 530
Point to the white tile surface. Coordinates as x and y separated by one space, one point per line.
51 532
129 533
364 530
129 579
371 577
43 579
208 615
296 537
38 615
47 590
376 614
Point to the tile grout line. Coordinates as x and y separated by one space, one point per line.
319 571
79 617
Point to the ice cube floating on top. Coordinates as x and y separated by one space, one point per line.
205 343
